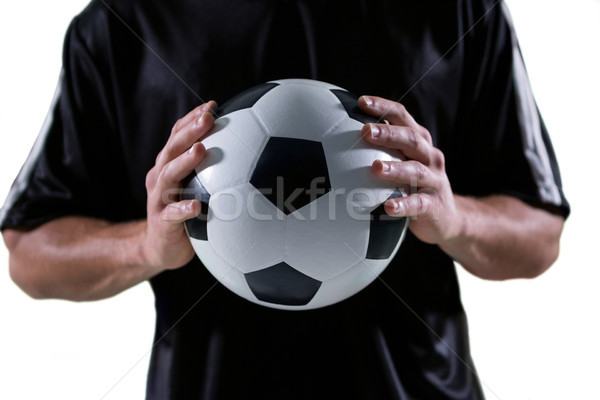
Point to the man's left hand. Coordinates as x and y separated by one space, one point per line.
430 203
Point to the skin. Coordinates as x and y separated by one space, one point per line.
497 237
80 258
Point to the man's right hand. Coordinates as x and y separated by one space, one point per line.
165 244
83 258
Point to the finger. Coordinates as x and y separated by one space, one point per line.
185 121
403 138
169 178
411 206
193 115
176 213
182 140
151 178
392 111
411 173
179 168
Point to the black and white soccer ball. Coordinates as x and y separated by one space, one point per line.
292 215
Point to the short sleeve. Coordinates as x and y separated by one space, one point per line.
501 144
74 167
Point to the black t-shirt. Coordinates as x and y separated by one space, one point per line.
132 68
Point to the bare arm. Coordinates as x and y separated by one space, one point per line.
503 238
497 237
80 258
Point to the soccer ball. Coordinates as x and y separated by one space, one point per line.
292 217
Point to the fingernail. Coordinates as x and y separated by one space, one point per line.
385 167
375 131
188 208
191 150
395 207
368 100
398 208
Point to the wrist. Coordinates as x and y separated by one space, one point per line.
460 228
142 254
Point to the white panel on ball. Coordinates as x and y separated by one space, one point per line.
320 234
349 283
225 273
314 256
244 139
299 111
245 228
349 160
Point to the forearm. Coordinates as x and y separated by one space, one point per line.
78 258
503 238
498 237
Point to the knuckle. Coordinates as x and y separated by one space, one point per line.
413 138
422 204
206 107
178 125
205 119
158 157
424 132
199 120
421 171
150 175
438 159
401 108
163 175
386 133
413 204
419 203
150 178
163 157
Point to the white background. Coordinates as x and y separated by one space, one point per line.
536 339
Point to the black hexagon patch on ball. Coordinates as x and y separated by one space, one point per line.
385 231
350 103
291 173
246 99
196 227
282 284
